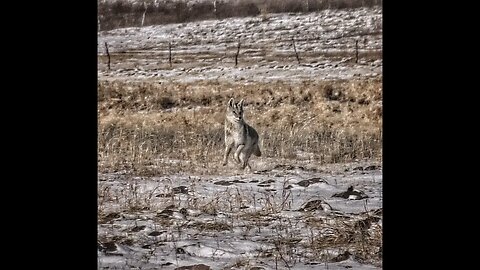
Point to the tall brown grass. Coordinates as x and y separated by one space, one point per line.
153 128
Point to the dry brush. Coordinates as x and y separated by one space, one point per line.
154 128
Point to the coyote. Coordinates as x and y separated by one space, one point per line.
239 135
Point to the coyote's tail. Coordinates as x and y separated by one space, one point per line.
256 151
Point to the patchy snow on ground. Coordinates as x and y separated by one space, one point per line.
326 43
280 218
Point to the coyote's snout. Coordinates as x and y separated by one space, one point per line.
239 136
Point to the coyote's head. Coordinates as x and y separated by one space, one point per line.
235 111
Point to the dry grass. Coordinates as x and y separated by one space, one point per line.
153 128
344 234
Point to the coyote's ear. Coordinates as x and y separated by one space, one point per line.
240 104
230 103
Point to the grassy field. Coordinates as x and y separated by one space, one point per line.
144 126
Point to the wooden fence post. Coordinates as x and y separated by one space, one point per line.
236 55
170 53
295 49
356 51
108 54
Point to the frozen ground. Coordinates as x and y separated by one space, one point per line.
205 50
285 217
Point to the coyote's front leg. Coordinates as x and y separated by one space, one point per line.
228 148
237 153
